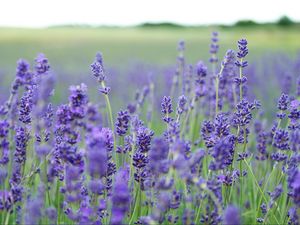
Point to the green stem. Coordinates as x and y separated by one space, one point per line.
109 112
259 188
136 206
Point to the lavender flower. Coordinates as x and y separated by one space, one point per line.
34 208
78 100
26 105
22 137
42 65
281 140
144 137
4 144
201 73
120 196
222 153
166 108
242 53
97 155
283 102
6 200
181 105
214 47
232 216
122 123
97 68
158 156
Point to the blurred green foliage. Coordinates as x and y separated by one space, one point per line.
285 21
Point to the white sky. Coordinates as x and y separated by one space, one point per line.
40 13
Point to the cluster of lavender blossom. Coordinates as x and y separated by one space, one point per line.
217 161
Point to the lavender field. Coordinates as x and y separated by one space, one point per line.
204 130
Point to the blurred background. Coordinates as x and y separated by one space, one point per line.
139 39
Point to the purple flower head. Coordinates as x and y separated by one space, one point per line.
4 128
243 113
122 122
96 186
166 105
21 138
34 212
232 216
104 90
41 64
276 193
229 58
295 140
64 115
73 184
279 157
99 58
78 96
26 105
48 116
140 160
261 145
214 47
23 75
173 132
166 108
181 106
22 68
294 184
207 133
97 154
144 137
281 140
283 102
158 156
243 48
97 68
293 215
107 136
295 104
223 153
263 208
222 126
242 53
228 65
201 72
42 150
6 200
131 107
78 100
120 196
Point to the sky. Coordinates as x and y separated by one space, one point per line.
43 13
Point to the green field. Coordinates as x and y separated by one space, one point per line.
72 49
